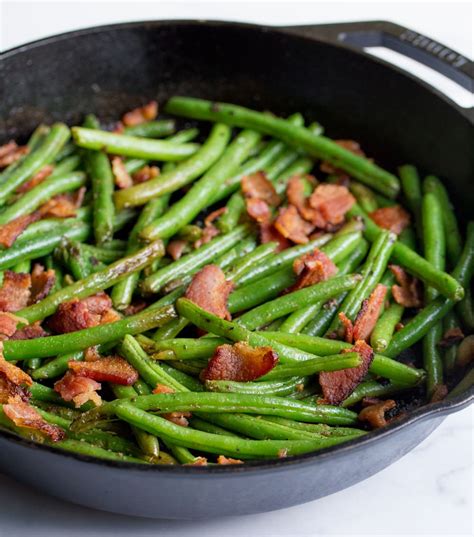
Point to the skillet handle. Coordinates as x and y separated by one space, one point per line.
403 40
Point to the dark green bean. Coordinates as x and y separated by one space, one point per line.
371 388
152 129
278 388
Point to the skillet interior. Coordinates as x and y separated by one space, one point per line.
396 119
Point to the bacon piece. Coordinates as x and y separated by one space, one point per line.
12 230
258 210
145 174
139 115
178 418
393 218
198 461
257 186
210 230
268 233
79 314
38 178
63 205
78 389
121 176
134 308
312 268
30 332
42 281
209 290
337 385
15 291
109 369
369 313
239 362
348 327
451 337
290 224
296 194
375 414
22 414
11 152
408 291
13 380
8 324
332 202
176 248
91 354
227 460
439 393
350 145
214 215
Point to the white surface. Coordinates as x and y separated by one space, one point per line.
430 491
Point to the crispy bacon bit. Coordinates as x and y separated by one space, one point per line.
79 314
375 414
38 178
198 461
312 268
121 176
290 224
12 230
408 291
8 324
332 202
63 205
178 418
91 354
11 152
209 290
393 218
78 389
451 337
227 460
145 174
348 327
439 393
135 307
30 332
139 115
258 210
15 291
109 369
268 233
176 248
337 385
22 414
42 281
282 453
208 233
296 194
240 362
350 145
13 381
257 186
214 215
369 313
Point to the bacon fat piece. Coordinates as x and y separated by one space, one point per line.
312 268
240 362
332 202
408 292
15 291
369 313
338 385
393 218
375 414
78 389
109 369
147 112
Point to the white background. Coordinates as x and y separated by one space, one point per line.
430 491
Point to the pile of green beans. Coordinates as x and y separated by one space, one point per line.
143 245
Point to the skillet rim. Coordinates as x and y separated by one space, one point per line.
423 413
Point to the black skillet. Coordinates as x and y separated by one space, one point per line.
317 70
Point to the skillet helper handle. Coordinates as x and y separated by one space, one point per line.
423 49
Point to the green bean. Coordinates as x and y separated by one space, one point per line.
106 254
189 206
381 365
242 265
408 238
183 348
219 444
315 428
300 166
365 196
122 218
371 388
183 174
80 340
35 160
291 302
432 359
57 366
171 329
41 245
122 292
317 145
433 236
83 448
280 260
76 260
193 260
411 187
449 355
95 282
214 402
465 310
102 182
185 135
46 394
202 425
152 129
131 146
187 382
413 262
451 229
23 266
142 387
385 327
463 386
278 388
68 165
424 321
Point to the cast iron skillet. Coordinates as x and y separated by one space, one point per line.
313 69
